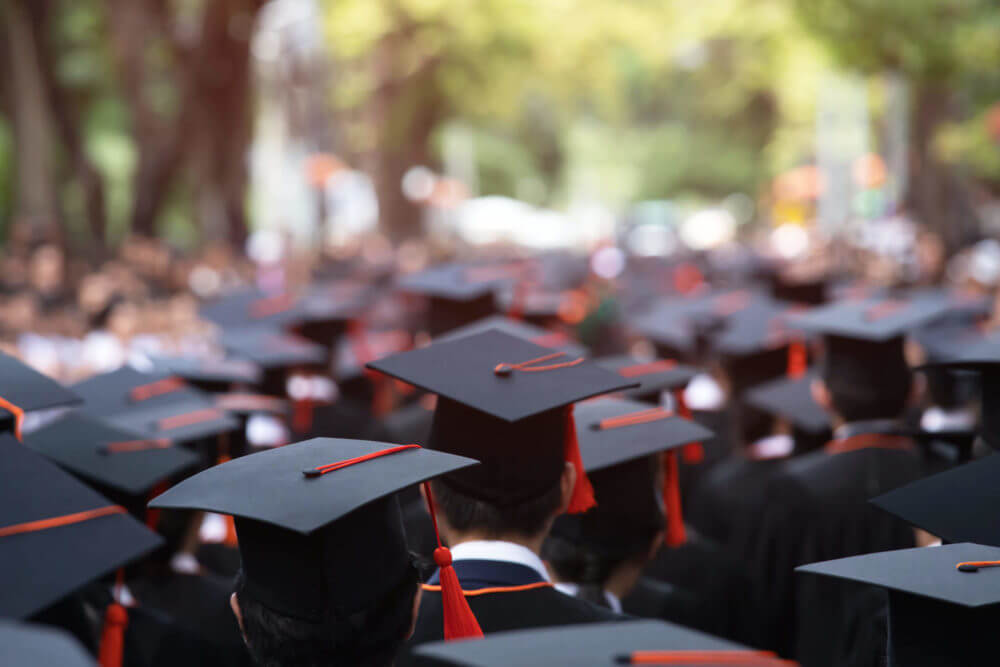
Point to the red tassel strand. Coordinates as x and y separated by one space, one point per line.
675 535
583 492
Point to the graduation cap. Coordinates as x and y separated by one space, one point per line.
529 332
596 645
40 646
318 522
457 294
944 602
182 421
503 401
790 399
654 376
618 441
276 352
254 307
957 505
127 388
56 533
24 389
983 359
210 374
123 461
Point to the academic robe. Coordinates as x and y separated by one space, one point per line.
650 598
817 509
505 596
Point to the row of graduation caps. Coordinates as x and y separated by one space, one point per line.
87 442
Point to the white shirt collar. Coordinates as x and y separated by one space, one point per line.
572 589
499 550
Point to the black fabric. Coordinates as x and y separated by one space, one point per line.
652 383
817 510
650 598
705 569
928 633
38 568
30 390
790 399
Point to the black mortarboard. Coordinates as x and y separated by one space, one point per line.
957 505
984 358
126 389
654 376
24 389
313 542
210 374
618 443
181 421
790 399
113 457
86 538
254 307
276 352
938 613
874 320
502 401
457 294
528 332
22 645
588 645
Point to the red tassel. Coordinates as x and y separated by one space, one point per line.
583 493
459 621
692 453
302 415
113 636
797 360
672 498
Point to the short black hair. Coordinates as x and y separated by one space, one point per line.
525 519
589 567
866 380
373 636
857 403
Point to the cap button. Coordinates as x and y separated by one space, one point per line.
442 557
503 370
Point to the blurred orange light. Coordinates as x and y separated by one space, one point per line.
321 166
869 171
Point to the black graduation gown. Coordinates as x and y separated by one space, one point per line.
817 509
731 494
527 602
197 605
650 598
702 567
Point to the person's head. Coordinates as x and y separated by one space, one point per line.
752 424
863 380
528 520
372 636
607 547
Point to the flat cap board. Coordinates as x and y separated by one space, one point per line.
30 390
925 571
601 448
791 399
111 393
877 319
252 306
957 505
653 375
80 443
762 325
463 370
181 421
589 645
270 486
24 645
528 332
210 369
40 567
272 348
454 282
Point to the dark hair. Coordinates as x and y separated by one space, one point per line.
587 567
524 519
752 424
372 636
866 380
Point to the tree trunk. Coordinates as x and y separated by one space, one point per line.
35 189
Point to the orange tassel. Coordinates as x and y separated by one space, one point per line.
459 621
675 535
302 415
798 361
112 646
583 493
692 453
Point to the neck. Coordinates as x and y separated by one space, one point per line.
623 579
454 538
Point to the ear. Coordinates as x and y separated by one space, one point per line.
567 482
918 387
234 604
821 394
416 609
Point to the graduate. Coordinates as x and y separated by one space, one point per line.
599 555
326 578
816 507
507 403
